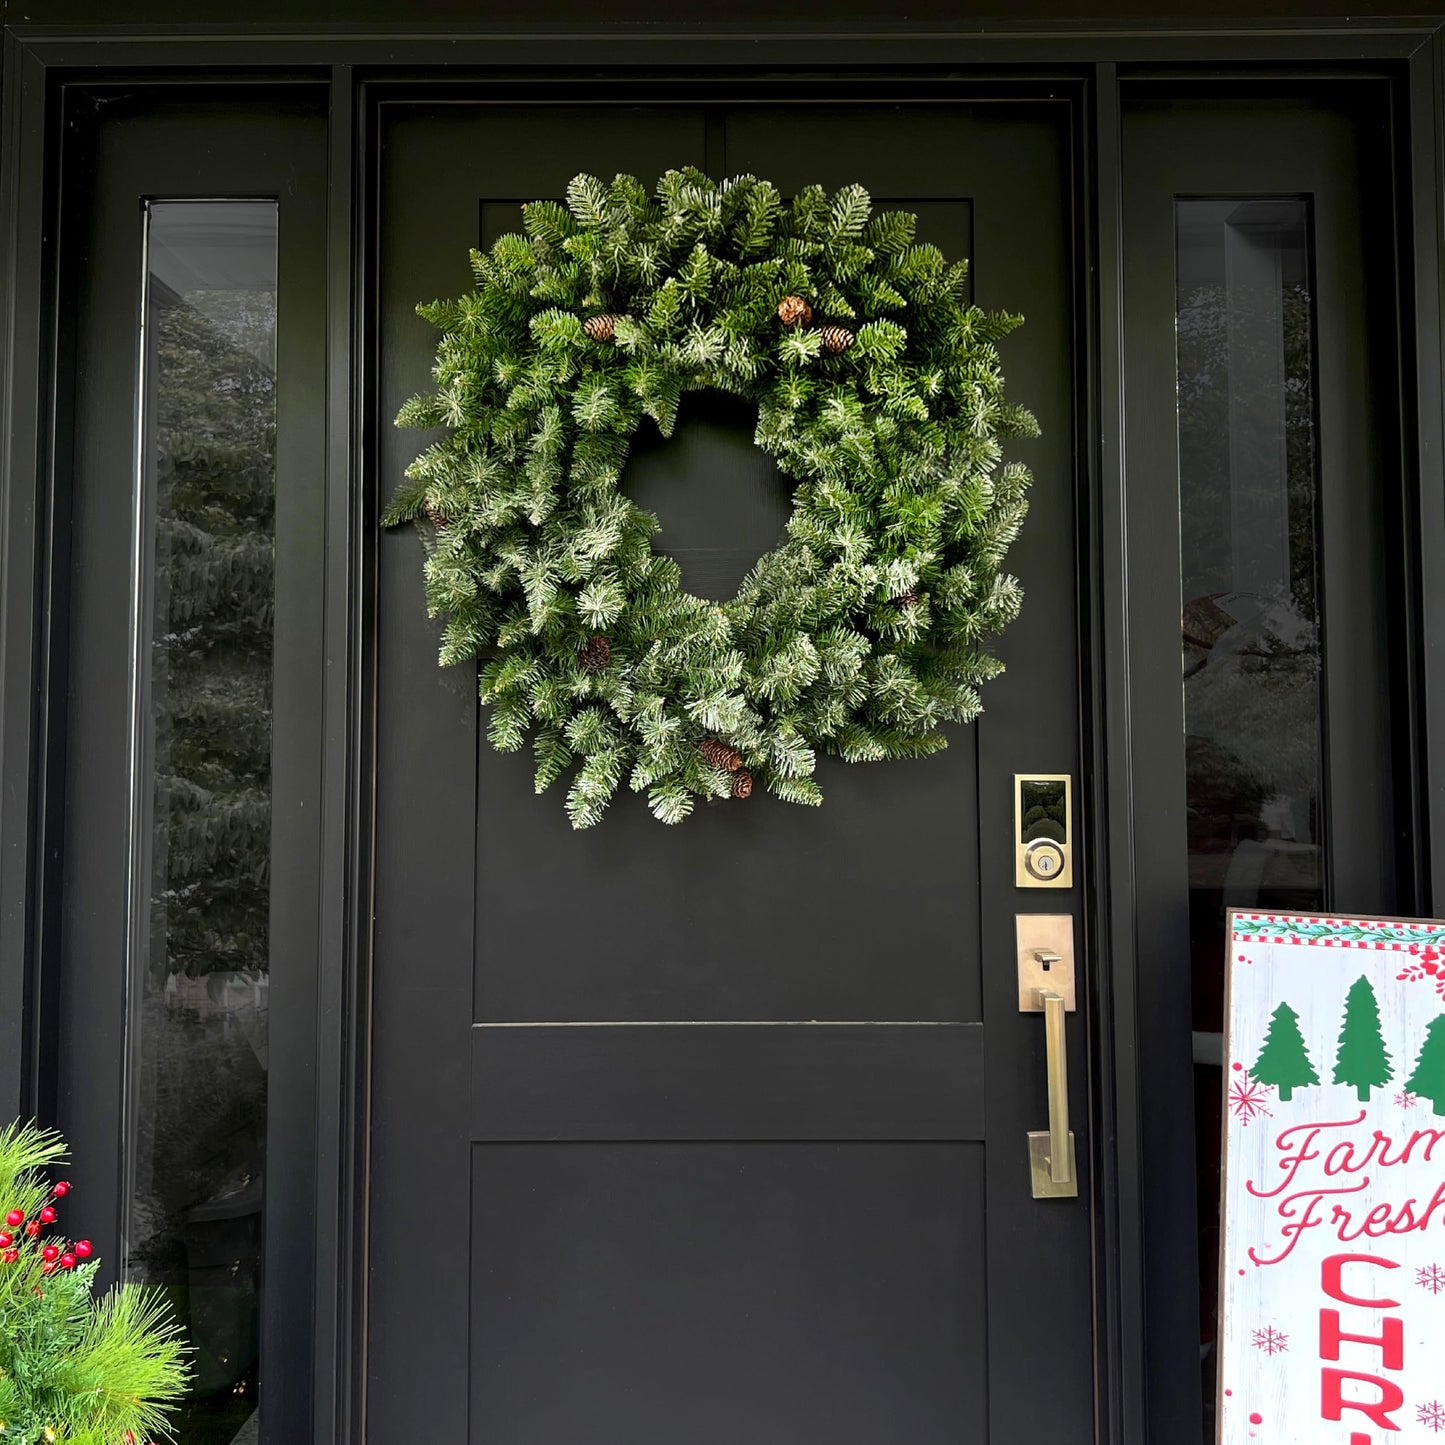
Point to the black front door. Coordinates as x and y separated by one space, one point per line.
717 1133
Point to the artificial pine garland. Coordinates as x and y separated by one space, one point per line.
878 390
74 1370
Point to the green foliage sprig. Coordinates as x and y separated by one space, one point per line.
861 633
73 1369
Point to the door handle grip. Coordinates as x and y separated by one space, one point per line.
1057 1051
1051 1152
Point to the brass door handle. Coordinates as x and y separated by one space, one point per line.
1051 1151
1046 986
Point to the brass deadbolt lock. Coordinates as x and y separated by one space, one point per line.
1043 830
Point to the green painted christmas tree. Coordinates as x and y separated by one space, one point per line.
1428 1080
73 1369
1363 1060
1284 1061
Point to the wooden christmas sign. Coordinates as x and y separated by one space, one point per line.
1332 1325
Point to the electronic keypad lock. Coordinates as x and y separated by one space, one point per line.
1043 830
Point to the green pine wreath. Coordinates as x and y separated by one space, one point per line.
879 390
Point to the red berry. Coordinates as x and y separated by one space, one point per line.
62 1189
33 1228
5 1240
16 1216
67 1260
84 1248
51 1251
47 1215
10 1256
48 1267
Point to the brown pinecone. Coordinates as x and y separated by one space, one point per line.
742 784
793 309
720 755
602 327
435 515
835 338
904 599
596 653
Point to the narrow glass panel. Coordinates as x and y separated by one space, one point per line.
198 1011
1248 505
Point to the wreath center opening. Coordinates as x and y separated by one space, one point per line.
722 501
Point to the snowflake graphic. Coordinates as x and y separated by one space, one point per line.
1431 1277
1248 1100
1271 1340
1407 1100
1431 1415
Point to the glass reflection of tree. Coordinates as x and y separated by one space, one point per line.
1251 658
196 1215
1045 813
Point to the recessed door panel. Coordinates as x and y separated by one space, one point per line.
722 1292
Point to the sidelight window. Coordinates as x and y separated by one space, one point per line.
200 965
1251 612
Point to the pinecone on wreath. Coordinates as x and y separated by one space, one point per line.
596 653
720 755
602 327
435 515
835 339
794 310
904 599
742 784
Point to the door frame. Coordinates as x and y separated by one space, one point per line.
1139 1297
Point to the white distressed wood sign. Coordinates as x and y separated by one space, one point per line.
1332 1284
